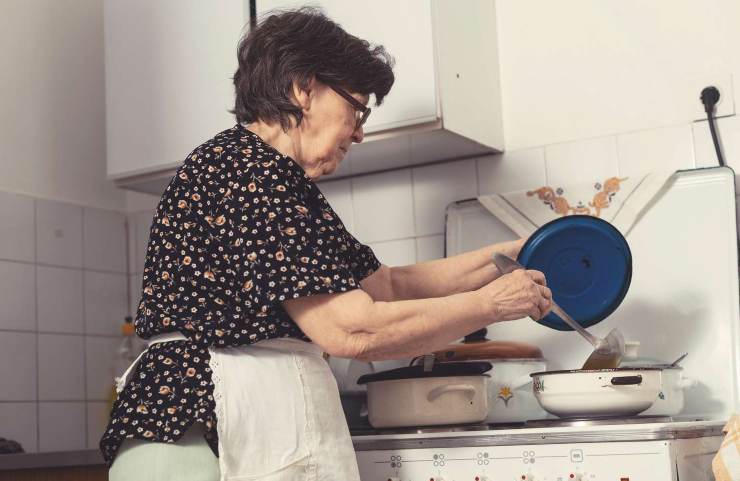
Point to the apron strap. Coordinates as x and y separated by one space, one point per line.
122 380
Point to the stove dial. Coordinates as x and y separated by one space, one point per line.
575 477
526 477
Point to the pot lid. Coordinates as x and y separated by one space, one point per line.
484 349
587 264
615 369
447 369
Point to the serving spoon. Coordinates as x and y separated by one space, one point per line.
608 352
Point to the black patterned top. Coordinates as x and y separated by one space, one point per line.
239 229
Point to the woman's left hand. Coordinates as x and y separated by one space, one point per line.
510 249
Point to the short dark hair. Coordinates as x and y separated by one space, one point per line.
296 46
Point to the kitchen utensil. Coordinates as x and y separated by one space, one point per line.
476 346
588 266
597 393
451 393
510 396
673 384
607 352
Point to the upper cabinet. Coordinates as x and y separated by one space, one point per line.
169 66
405 30
168 71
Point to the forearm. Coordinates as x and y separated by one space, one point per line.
442 277
352 325
402 329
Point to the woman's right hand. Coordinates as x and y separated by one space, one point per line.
517 295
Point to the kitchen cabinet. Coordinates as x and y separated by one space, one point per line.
168 70
445 103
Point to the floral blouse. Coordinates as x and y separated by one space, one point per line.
239 229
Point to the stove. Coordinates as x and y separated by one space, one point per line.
615 449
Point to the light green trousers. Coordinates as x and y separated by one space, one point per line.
189 459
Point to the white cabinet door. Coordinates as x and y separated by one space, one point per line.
404 28
169 65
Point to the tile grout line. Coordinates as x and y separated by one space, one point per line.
84 339
36 315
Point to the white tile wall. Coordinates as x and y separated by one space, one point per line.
581 161
100 355
430 248
511 171
395 253
62 426
669 148
59 233
61 367
104 240
435 186
399 213
59 292
18 366
106 304
98 414
18 220
383 206
20 423
17 296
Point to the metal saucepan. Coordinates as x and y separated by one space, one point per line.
449 393
598 392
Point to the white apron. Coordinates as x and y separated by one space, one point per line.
278 412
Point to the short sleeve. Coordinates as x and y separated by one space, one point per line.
291 247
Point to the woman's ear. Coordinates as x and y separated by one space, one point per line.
304 95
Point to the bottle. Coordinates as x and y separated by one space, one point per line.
125 354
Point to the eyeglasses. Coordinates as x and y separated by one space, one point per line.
362 110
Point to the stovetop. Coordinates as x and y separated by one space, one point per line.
546 431
534 423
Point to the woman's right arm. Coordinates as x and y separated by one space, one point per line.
352 325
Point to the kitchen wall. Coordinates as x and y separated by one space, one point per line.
63 271
63 276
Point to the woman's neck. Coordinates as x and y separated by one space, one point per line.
274 135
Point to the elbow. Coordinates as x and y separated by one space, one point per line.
354 346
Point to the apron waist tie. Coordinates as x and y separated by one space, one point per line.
122 380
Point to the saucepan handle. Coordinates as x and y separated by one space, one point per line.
626 380
438 391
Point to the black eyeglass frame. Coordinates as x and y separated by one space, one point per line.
356 104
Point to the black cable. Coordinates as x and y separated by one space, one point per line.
709 97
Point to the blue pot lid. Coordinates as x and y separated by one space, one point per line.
587 264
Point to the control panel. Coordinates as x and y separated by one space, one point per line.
613 461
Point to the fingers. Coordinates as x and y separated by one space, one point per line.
537 277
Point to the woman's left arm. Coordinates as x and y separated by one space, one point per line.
442 277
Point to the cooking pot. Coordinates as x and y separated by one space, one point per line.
510 396
597 392
670 399
449 393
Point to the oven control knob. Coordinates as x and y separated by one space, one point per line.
526 477
575 477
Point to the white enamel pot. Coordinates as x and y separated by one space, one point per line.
670 399
510 395
598 392
409 397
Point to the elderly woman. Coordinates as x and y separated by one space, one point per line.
250 275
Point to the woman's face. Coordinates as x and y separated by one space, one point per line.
327 130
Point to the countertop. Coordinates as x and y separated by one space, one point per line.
87 457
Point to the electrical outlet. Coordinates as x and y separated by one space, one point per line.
723 82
